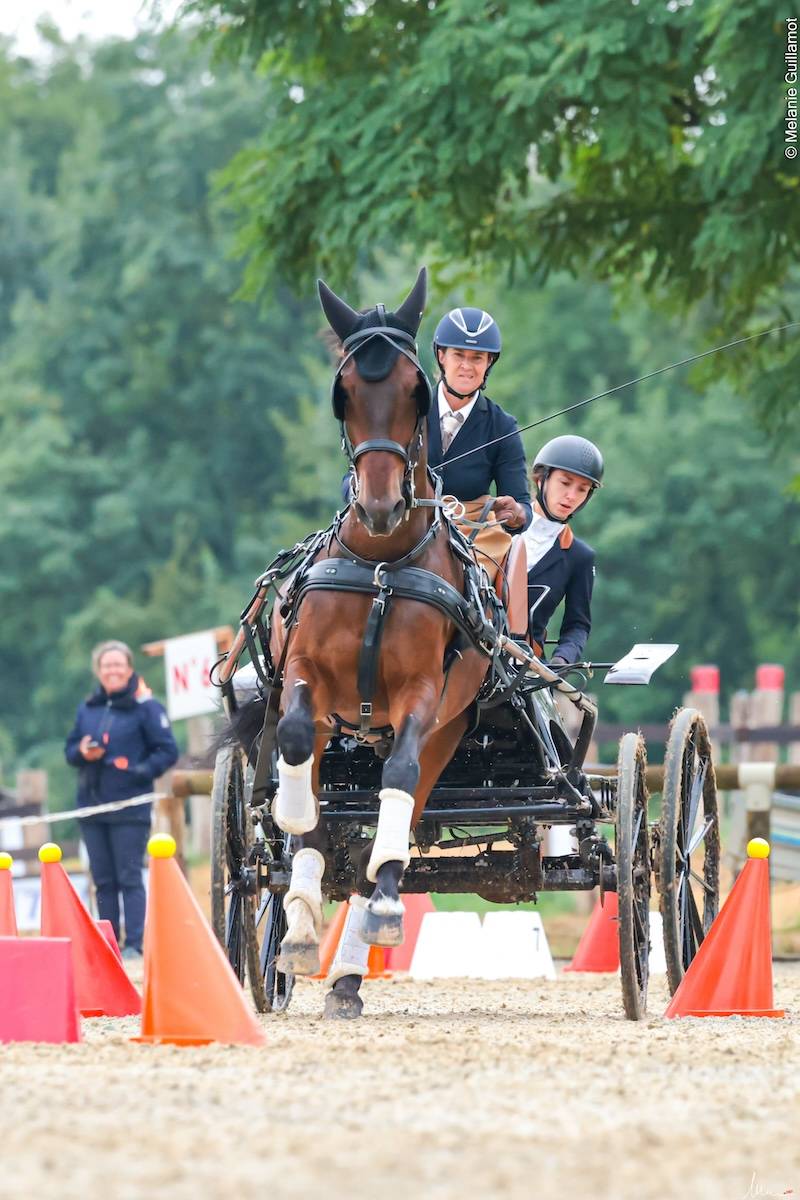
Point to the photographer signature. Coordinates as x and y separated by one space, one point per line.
764 1192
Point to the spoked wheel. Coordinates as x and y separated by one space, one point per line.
270 929
687 863
633 875
234 874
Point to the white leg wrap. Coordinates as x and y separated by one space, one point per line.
308 867
295 805
394 831
352 953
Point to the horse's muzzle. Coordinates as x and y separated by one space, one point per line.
379 517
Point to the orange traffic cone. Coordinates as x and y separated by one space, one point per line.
101 985
191 995
598 949
376 964
330 942
107 930
731 974
398 958
38 991
8 917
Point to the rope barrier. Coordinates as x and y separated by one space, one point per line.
90 810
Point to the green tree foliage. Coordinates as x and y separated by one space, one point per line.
644 140
695 533
159 440
139 444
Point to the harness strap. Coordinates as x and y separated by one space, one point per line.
408 583
369 655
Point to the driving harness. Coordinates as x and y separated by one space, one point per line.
478 615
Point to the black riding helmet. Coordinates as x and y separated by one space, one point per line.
467 329
570 453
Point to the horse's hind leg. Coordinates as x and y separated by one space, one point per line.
383 925
349 966
296 811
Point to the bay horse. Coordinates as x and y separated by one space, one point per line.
417 691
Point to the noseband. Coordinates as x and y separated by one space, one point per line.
405 344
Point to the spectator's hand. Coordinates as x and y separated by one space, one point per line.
90 753
509 511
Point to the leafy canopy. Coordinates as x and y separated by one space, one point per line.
645 138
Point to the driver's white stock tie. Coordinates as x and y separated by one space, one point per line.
352 953
394 831
295 807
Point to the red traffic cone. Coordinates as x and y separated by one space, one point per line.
38 991
330 942
731 974
598 949
191 995
8 917
398 958
107 930
101 985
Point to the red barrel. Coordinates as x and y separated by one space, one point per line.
705 678
770 677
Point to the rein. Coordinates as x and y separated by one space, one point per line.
628 383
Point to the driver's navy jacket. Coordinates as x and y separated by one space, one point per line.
502 464
136 734
570 576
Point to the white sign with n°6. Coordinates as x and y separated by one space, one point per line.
188 661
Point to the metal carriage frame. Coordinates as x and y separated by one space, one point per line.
515 774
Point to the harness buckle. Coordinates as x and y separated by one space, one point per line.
366 710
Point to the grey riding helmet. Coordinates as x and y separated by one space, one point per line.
570 453
468 329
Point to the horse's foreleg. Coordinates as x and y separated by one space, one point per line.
383 925
296 811
295 808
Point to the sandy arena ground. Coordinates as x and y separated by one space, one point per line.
445 1090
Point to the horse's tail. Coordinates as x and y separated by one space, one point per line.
243 728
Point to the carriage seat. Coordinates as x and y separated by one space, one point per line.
511 586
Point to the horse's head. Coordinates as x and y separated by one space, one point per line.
381 396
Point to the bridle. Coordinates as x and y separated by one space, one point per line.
403 342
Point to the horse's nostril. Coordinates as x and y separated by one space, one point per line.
363 516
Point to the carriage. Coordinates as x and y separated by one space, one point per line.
453 698
516 774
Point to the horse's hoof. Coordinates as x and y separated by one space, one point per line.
298 958
382 928
343 1006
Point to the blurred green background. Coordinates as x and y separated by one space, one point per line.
610 184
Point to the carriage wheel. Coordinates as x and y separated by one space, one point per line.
633 874
270 927
687 867
233 875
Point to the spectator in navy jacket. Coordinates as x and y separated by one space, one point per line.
120 743
566 472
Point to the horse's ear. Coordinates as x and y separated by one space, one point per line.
411 310
341 317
